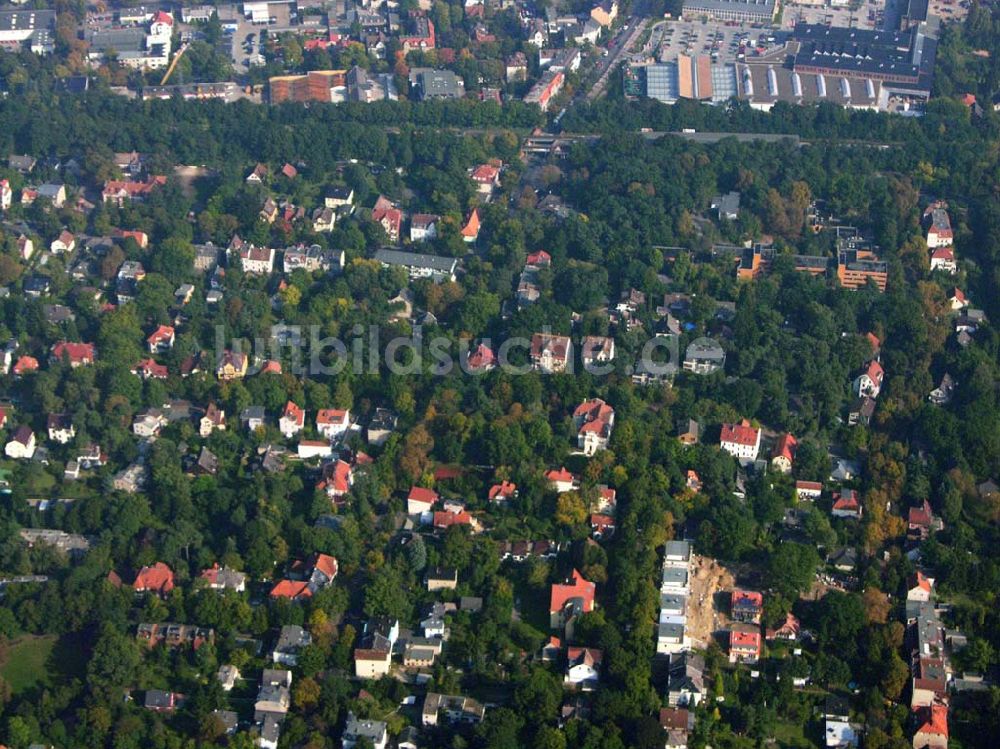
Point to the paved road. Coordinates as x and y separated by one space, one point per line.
618 47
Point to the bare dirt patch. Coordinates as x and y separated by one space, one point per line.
707 606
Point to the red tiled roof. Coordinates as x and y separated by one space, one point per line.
471 228
921 516
291 589
558 476
446 473
25 364
158 578
78 353
578 587
445 519
293 412
739 434
482 357
918 580
585 656
504 490
539 258
934 720
331 416
485 173
326 564
785 447
162 333
744 640
556 345
421 494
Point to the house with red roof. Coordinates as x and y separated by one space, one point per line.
157 578
486 177
386 214
336 479
788 630
744 647
607 499
539 259
550 353
783 454
443 519
213 420
742 440
746 606
481 359
24 365
161 340
594 420
570 599
601 526
932 727
292 421
957 299
938 223
332 422
846 504
943 259
420 500
562 480
292 590
223 578
78 354
919 587
583 667
806 491
869 382
149 369
470 229
120 192
920 521
502 492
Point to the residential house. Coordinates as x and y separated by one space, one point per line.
223 578
174 635
704 356
456 709
423 227
593 420
307 449
332 422
252 418
60 428
597 349
562 480
486 177
688 432
583 667
919 587
783 454
292 420
160 701
420 500
65 242
257 260
338 196
727 207
470 229
227 675
686 680
157 578
213 420
932 727
550 353
788 630
502 492
291 640
480 359
861 411
957 299
846 504
742 441
746 606
744 646
22 445
274 696
943 259
938 223
77 354
148 423
570 599
419 265
336 479
869 382
356 730
441 578
807 491
231 365
386 214
161 340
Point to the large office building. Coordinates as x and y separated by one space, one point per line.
748 11
27 28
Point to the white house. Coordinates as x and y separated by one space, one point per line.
582 667
869 382
21 445
742 441
594 420
292 420
332 422
943 259
423 226
314 449
258 260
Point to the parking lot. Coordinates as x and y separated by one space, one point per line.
869 15
719 40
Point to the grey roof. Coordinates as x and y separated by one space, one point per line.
24 20
754 7
672 601
680 549
292 636
417 260
371 729
673 630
